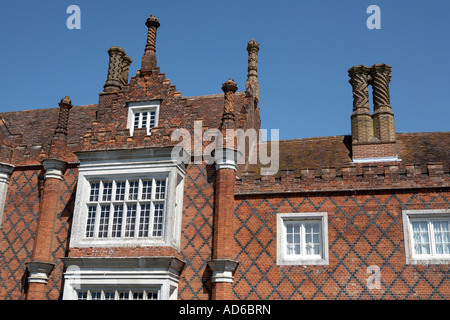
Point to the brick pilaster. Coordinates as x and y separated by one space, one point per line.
222 263
41 260
41 264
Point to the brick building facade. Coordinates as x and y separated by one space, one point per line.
97 201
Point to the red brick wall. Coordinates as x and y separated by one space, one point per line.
197 237
17 233
364 229
374 150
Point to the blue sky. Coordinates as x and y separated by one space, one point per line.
306 48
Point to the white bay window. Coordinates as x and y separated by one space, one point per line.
128 197
124 278
126 208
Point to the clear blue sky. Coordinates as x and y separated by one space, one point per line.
306 48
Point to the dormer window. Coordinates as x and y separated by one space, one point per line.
143 115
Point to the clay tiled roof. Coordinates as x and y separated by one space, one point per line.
417 148
31 131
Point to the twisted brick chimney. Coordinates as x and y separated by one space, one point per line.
149 58
59 142
252 84
119 64
229 88
373 135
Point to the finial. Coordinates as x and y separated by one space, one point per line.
252 44
229 85
152 21
65 102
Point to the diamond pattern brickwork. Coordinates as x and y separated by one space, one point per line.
363 230
196 234
18 231
62 232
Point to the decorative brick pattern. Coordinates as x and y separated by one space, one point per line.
17 232
364 230
62 232
196 244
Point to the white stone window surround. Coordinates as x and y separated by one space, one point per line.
282 257
159 274
5 174
410 215
137 107
134 163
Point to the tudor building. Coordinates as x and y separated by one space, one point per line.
98 202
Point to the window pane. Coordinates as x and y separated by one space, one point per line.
312 238
152 295
138 295
124 295
133 190
152 120
96 295
109 295
160 190
90 224
107 191
82 295
420 237
117 221
144 120
131 220
158 220
95 189
104 221
442 236
120 190
293 238
146 189
144 220
136 119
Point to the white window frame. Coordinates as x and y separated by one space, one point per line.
139 202
130 291
428 215
5 174
160 274
138 108
283 258
130 164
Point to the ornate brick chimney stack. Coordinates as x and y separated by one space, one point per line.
361 119
383 117
252 84
149 58
118 66
59 141
373 135
126 62
229 88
